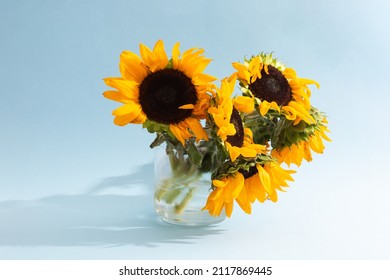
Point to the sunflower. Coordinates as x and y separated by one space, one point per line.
259 182
302 148
237 139
270 85
171 92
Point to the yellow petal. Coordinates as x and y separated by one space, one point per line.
273 196
234 152
140 119
242 72
256 188
146 55
127 88
128 113
229 208
289 113
248 133
264 107
160 57
212 205
190 61
243 201
175 55
123 120
131 67
308 82
244 104
196 128
200 79
305 147
128 108
275 106
278 175
301 112
265 179
247 152
316 144
116 96
187 106
255 69
266 69
201 65
219 183
237 182
178 133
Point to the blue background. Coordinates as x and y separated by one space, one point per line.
75 186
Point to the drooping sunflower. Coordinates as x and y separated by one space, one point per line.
268 84
307 140
237 139
171 92
260 182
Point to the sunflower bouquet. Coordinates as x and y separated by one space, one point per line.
244 143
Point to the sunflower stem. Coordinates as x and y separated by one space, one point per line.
172 195
178 189
179 208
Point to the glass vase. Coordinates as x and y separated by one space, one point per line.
181 188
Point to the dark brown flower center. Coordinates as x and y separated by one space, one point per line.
272 87
247 174
238 138
162 93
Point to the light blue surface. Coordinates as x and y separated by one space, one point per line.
75 186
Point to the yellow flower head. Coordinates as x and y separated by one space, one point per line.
238 140
273 86
170 92
301 150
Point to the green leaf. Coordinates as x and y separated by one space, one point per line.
160 138
194 154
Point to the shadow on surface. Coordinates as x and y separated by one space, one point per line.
95 218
